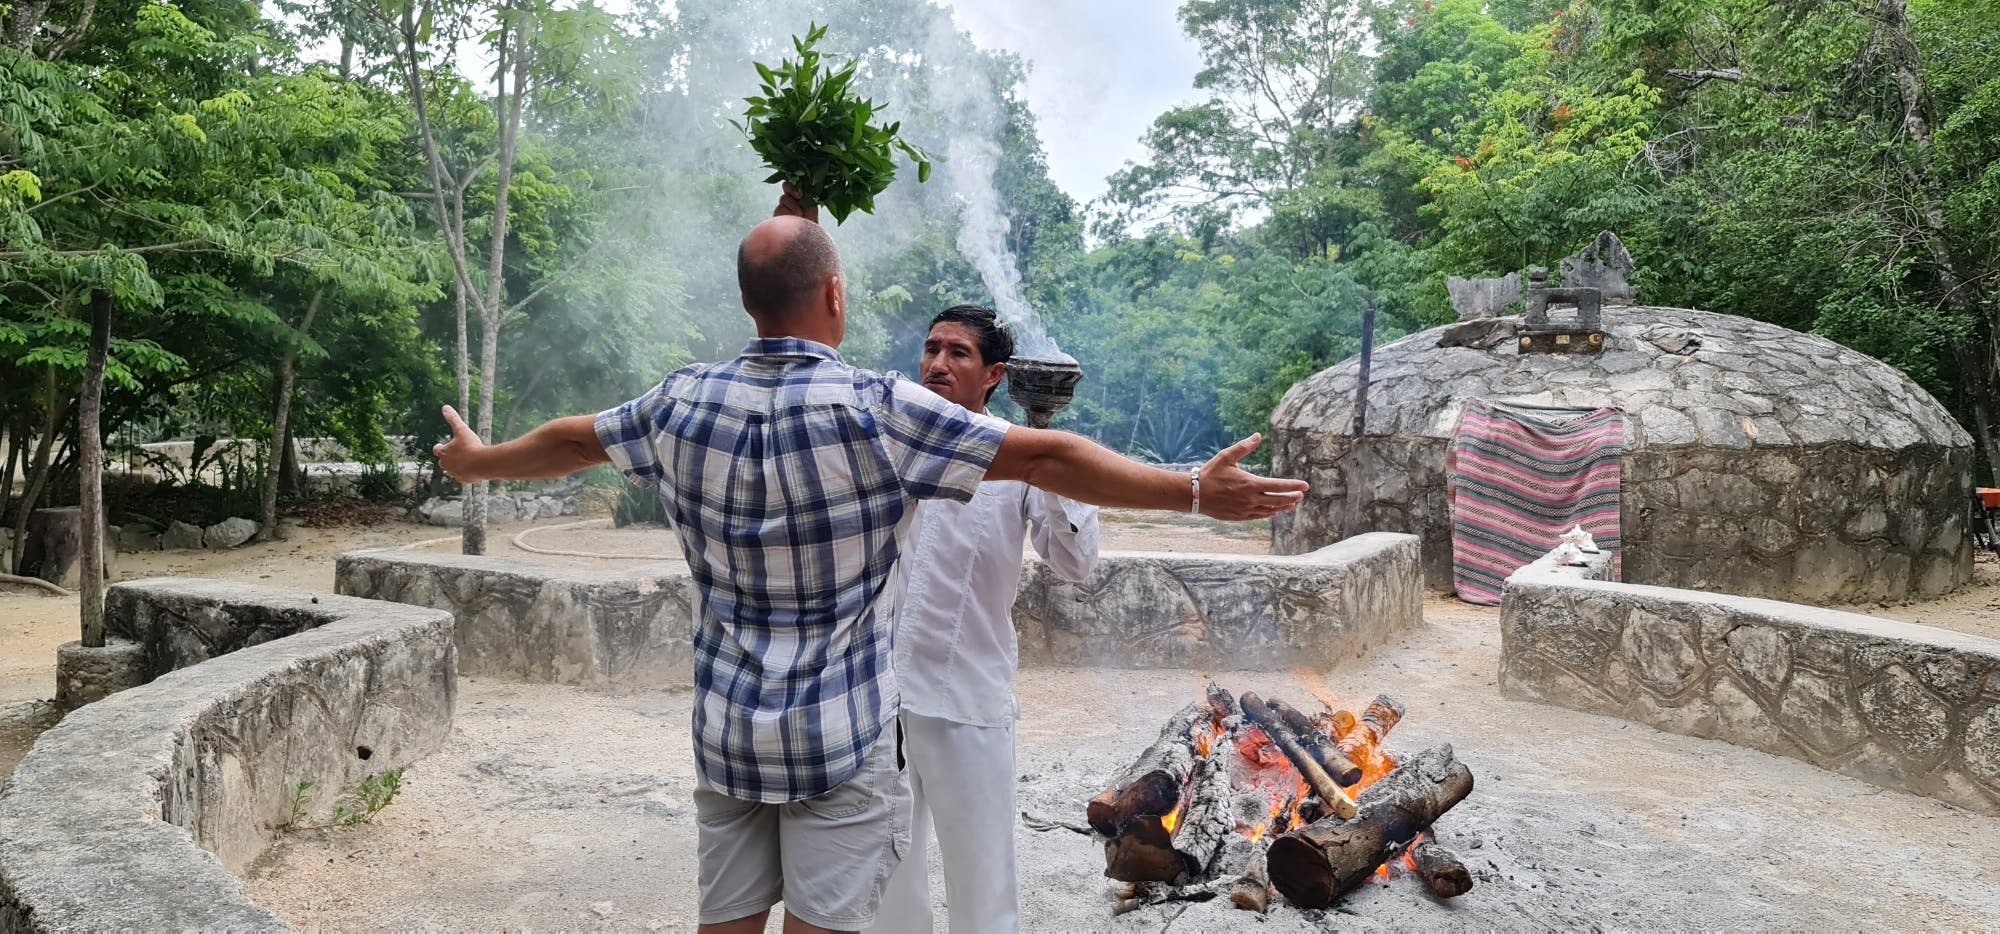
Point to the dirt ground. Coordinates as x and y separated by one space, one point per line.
557 808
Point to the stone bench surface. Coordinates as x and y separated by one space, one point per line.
134 811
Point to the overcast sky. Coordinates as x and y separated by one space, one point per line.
1102 70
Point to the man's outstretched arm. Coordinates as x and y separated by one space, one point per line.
1085 471
555 449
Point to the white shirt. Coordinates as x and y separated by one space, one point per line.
956 649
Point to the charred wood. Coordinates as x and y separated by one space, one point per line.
1329 791
1316 743
1221 702
1153 783
1441 869
1318 863
1252 890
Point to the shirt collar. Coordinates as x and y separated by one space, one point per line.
790 347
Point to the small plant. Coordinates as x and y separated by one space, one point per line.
375 793
380 483
301 803
813 131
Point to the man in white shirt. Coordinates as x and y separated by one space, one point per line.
955 653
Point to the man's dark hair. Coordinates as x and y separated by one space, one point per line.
995 344
774 285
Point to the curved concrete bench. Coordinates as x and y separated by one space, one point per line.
134 811
630 629
1896 704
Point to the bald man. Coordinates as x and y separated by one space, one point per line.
791 479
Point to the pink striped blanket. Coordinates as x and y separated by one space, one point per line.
1524 475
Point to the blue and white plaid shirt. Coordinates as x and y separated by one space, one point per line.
790 478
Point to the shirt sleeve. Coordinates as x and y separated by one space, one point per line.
1064 533
627 435
940 450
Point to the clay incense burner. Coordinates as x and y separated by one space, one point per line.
1041 386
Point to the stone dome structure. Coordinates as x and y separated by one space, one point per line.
1758 460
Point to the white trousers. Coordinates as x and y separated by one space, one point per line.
961 782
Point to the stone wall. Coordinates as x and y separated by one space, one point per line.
1788 523
1759 461
628 629
134 811
631 629
1899 705
1142 610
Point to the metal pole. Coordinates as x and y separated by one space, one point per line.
1367 357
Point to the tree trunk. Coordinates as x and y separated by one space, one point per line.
281 430
24 21
38 474
507 106
291 479
17 449
281 433
1318 863
90 472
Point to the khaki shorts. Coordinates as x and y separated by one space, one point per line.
826 857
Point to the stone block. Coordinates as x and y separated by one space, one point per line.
1660 651
228 533
1483 298
1818 711
502 509
1982 745
181 536
1905 716
85 675
1762 656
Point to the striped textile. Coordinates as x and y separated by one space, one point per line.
1524 475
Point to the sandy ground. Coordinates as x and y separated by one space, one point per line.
560 809
553 808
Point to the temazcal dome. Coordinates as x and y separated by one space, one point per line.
1758 460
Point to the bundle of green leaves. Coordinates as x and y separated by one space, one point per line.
814 131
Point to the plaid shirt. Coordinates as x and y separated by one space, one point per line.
790 478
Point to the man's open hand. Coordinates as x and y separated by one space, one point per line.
457 456
1230 492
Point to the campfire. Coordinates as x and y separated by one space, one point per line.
1242 795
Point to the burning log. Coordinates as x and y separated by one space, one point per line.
1318 863
1382 715
1178 847
1143 852
1316 743
1441 870
1339 723
1221 702
1322 784
1152 785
